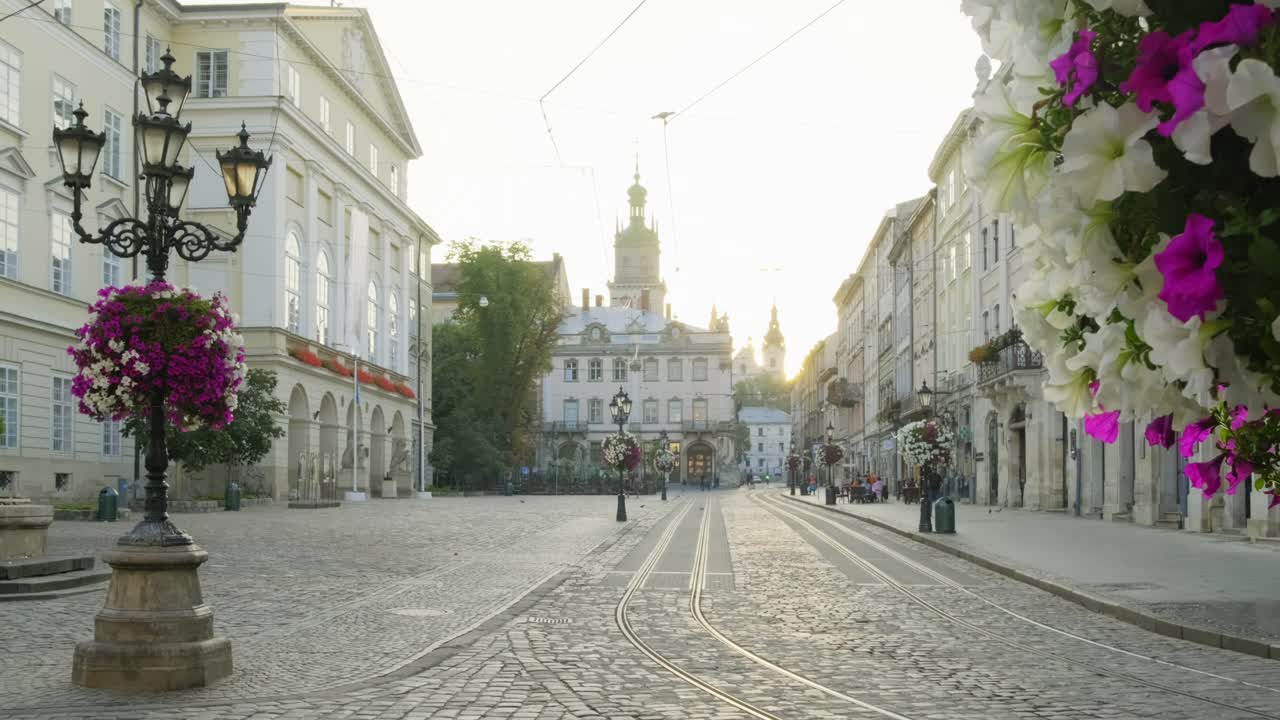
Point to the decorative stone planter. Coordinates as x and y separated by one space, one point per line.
24 528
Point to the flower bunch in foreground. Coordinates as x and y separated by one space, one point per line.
621 451
1138 150
154 337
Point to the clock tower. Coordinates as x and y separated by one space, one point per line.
635 256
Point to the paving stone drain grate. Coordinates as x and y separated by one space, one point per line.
548 620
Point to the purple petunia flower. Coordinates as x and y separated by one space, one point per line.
1275 498
1240 26
1189 266
1206 475
1079 63
1164 74
1240 471
1193 435
1104 426
1160 432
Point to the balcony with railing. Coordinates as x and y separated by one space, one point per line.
561 426
1016 356
842 393
957 380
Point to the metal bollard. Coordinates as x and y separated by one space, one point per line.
108 504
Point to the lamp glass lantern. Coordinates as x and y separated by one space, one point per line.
831 433
620 407
161 138
925 395
167 84
243 171
78 150
179 183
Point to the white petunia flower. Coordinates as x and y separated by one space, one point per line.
1254 98
1129 8
1194 134
1106 156
1275 325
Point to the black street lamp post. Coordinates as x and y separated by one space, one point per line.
160 138
791 471
925 395
666 458
620 410
831 480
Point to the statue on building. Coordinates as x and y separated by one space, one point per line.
399 455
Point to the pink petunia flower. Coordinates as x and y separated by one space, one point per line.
1193 435
1206 475
1240 471
1240 26
1160 432
1165 74
1078 64
1189 268
1275 498
1104 426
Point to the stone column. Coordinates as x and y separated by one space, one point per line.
340 321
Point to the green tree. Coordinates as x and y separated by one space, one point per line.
244 441
763 391
488 361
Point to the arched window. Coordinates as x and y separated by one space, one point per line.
324 283
619 370
292 282
371 320
393 330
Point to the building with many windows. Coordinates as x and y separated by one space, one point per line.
679 376
329 267
768 441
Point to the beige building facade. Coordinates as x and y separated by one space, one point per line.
313 89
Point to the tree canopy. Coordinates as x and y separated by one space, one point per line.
488 360
763 391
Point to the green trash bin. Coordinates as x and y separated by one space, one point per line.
232 500
108 504
944 515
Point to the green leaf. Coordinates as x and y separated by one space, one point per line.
1264 253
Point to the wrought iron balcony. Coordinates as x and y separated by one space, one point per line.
1015 357
843 393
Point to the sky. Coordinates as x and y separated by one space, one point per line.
777 180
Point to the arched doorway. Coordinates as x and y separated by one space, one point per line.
993 460
330 453
1018 452
298 460
700 461
377 450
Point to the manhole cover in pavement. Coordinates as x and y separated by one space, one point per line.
420 612
548 620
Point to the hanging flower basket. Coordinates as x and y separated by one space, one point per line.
621 452
793 462
1135 149
924 443
334 366
306 356
831 454
142 339
666 461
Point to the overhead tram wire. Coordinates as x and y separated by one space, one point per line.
752 64
21 10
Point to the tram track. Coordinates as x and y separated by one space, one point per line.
778 507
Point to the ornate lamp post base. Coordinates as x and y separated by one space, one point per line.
831 495
154 631
622 507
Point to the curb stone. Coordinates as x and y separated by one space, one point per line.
1144 620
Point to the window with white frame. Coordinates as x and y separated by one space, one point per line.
292 282
111 437
373 159
295 86
324 285
393 329
371 319
675 369
595 370
325 117
650 412
211 73
571 412
619 370
62 416
62 11
351 139
10 84
675 411
700 410
8 234
571 370
153 54
9 406
595 411
699 369
111 151
111 271
60 253
111 30
651 370
395 181
64 102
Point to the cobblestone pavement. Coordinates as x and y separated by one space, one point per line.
355 615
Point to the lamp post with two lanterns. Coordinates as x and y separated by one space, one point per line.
620 410
155 632
925 396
